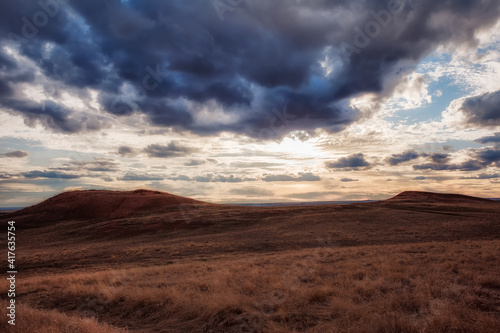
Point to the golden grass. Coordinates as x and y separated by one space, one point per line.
427 287
52 321
379 267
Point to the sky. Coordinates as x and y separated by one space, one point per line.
249 101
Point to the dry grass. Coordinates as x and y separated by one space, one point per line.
431 287
51 321
383 267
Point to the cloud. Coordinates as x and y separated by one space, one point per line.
173 149
440 158
479 159
483 176
420 178
183 67
54 116
488 157
483 110
211 178
201 162
406 156
409 155
301 177
471 165
231 179
351 162
126 151
15 154
136 177
251 191
48 174
203 179
346 180
97 165
447 148
260 165
195 162
495 139
180 177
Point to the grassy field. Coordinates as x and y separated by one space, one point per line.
377 267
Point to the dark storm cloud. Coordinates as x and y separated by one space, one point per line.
495 139
48 174
173 149
489 156
351 162
483 110
15 154
406 156
53 116
179 55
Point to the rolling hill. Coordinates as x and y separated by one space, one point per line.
430 197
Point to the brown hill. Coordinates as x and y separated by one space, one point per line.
101 204
430 197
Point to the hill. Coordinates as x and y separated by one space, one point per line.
102 204
430 197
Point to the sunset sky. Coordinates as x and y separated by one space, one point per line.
249 100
